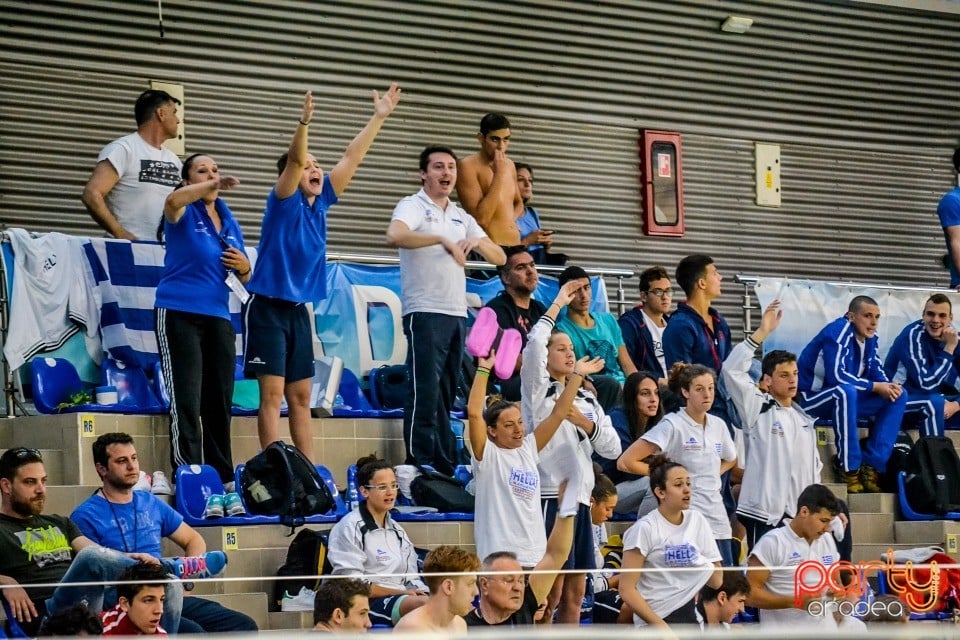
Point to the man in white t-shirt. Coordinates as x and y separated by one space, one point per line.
643 326
135 173
777 592
434 236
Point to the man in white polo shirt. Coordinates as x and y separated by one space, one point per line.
434 236
774 591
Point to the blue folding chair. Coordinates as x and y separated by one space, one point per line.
196 483
133 389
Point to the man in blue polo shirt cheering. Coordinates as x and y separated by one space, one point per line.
291 271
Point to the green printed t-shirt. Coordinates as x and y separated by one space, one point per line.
36 550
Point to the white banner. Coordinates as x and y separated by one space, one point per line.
809 305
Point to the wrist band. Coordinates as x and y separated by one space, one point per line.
483 371
554 304
306 124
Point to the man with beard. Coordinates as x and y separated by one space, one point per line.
138 521
37 548
921 359
516 308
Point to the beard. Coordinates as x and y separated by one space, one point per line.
27 508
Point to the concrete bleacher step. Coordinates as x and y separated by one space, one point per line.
872 502
874 551
928 532
254 604
872 527
291 619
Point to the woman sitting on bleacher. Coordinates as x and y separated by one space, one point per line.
204 259
673 536
640 412
367 541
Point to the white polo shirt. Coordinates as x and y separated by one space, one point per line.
666 545
700 449
430 279
784 548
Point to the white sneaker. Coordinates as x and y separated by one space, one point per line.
161 486
303 601
143 482
229 487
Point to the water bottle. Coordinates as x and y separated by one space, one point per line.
338 401
353 498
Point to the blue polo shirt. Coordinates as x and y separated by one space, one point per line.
292 258
137 526
193 275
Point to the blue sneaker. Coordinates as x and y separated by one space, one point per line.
198 567
233 505
214 508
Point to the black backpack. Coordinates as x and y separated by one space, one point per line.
443 493
896 463
391 385
280 481
306 556
933 476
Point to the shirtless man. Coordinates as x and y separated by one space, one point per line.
487 183
451 596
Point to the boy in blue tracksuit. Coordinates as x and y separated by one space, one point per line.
921 359
697 333
842 378
643 326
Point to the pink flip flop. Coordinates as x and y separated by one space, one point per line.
483 334
507 353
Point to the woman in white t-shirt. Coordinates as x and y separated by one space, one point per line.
508 515
698 440
673 536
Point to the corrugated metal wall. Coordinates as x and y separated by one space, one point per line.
862 99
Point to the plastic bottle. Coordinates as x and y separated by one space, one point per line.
353 498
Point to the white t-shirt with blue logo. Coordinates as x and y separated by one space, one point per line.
508 515
665 545
700 450
784 548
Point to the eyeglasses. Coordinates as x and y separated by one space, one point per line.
23 452
663 293
393 486
510 580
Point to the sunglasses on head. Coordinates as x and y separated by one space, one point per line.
23 452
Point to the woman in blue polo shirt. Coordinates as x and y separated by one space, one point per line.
197 343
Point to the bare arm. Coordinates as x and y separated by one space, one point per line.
483 206
189 539
491 251
545 430
102 181
341 174
626 363
632 460
21 606
633 559
716 578
475 405
80 543
289 179
558 549
178 199
760 596
726 465
399 235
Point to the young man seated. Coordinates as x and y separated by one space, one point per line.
140 597
718 607
342 606
451 596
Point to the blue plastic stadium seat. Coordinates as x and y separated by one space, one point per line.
909 512
463 473
196 483
13 630
55 380
133 389
339 509
160 386
355 403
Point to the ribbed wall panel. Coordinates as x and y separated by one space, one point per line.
861 98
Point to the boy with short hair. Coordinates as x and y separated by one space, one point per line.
140 594
451 596
342 606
